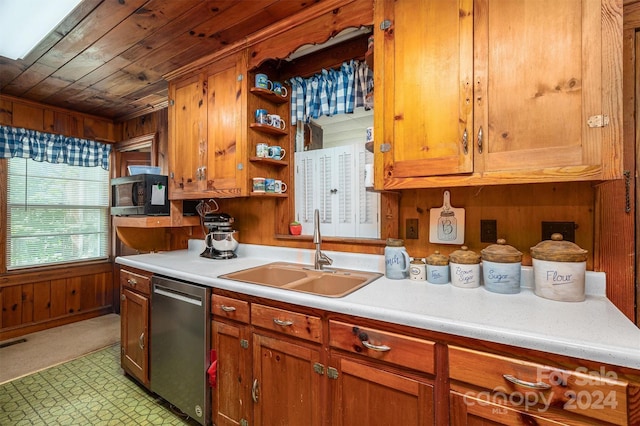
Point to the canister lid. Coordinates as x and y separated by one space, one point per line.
437 259
501 252
464 256
558 250
394 242
417 261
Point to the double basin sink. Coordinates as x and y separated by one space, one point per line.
330 282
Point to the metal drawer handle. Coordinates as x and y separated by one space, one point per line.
530 385
379 348
255 393
132 282
283 323
227 308
141 341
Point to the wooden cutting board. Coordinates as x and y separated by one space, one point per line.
446 223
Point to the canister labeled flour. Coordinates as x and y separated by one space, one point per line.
559 269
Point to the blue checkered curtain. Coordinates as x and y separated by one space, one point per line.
52 148
330 92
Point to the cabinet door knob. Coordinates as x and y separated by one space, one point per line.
255 393
141 341
132 282
465 141
480 137
227 308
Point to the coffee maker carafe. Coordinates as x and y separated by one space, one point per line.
220 241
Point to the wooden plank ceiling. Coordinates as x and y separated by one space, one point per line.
107 58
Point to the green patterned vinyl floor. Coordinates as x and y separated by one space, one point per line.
91 390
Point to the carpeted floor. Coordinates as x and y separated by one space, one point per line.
47 348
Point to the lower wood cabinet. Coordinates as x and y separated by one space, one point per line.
279 364
512 391
388 379
135 295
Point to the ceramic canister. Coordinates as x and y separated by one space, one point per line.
417 270
396 260
437 268
464 266
501 265
559 269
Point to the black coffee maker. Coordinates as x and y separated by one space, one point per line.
220 241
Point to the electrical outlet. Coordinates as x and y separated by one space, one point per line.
488 231
412 229
567 229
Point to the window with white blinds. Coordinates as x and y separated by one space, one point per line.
56 213
332 181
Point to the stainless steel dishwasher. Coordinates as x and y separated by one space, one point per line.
180 342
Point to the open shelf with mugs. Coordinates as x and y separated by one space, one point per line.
269 137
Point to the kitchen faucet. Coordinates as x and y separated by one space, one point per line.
321 259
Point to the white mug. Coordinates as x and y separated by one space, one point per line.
277 121
281 187
277 152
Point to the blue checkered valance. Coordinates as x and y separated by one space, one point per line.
52 148
333 91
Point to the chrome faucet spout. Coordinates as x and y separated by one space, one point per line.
320 259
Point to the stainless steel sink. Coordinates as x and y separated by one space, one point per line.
332 282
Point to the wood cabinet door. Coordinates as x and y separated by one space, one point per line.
427 69
231 396
134 336
286 389
188 133
538 80
363 394
226 143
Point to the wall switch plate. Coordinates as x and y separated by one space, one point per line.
412 229
567 229
488 231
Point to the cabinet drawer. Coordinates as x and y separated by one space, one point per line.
292 323
406 351
228 307
597 394
135 281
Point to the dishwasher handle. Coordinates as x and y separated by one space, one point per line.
177 295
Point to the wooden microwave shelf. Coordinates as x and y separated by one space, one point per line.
154 221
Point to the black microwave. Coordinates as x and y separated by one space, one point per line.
143 194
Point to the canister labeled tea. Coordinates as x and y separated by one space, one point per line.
501 265
437 268
464 265
559 269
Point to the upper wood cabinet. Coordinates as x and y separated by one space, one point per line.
207 130
495 92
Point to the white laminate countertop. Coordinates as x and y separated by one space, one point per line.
594 329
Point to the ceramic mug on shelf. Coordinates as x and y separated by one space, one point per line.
262 116
277 121
279 89
280 187
258 184
269 185
263 82
262 150
276 152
